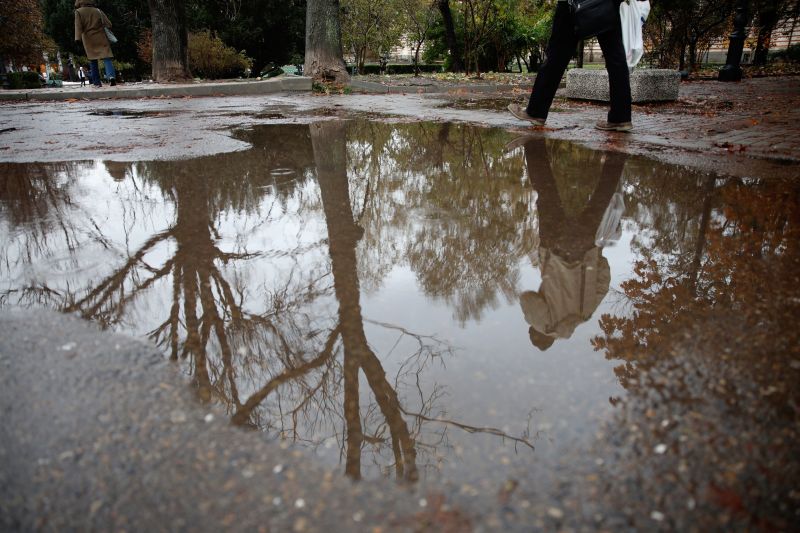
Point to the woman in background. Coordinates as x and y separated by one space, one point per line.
90 24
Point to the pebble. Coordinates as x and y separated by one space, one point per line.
555 512
658 516
177 417
660 449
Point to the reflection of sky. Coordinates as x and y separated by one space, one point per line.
494 378
497 377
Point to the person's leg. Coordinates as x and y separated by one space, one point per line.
548 204
94 73
110 72
618 74
560 50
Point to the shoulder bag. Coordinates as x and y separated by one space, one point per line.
111 37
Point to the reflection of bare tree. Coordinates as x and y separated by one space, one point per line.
472 199
361 427
289 354
343 235
36 202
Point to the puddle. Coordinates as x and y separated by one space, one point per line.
126 113
413 301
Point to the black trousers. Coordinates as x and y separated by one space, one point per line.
560 50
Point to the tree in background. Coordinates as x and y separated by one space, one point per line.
768 13
688 27
479 19
22 28
520 33
420 17
453 44
371 26
170 41
324 59
495 32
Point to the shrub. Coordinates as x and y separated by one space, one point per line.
790 54
209 57
24 80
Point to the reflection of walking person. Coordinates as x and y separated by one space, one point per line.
90 24
560 50
575 275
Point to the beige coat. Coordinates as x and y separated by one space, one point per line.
569 295
89 24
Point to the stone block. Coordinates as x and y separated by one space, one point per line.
647 85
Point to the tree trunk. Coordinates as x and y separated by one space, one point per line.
581 47
324 59
170 41
767 20
456 65
416 59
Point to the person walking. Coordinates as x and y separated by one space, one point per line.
82 76
90 24
560 50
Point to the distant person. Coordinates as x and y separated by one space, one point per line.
90 24
560 50
575 275
82 76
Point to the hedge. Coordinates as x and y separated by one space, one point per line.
24 80
403 68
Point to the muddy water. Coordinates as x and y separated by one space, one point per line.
421 301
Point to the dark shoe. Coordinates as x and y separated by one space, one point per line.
614 126
113 82
522 114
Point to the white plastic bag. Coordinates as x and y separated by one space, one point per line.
632 14
610 228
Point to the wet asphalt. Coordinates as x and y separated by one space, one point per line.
101 433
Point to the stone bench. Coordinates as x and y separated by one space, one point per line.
647 85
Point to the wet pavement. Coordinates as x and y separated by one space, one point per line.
744 130
72 92
539 334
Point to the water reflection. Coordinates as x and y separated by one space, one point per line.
355 288
709 353
572 232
